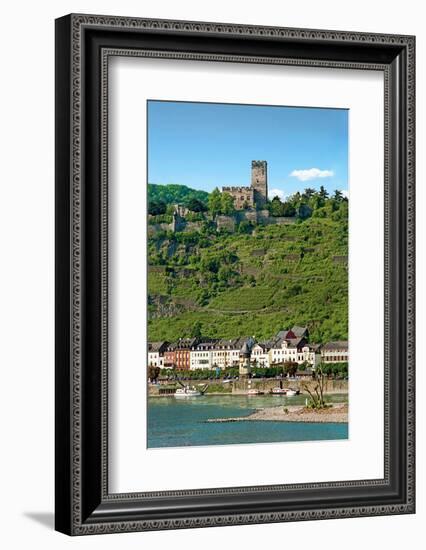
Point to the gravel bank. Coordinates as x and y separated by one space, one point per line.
293 413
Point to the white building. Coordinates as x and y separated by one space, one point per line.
214 354
335 352
226 353
156 354
201 356
260 356
311 353
292 345
287 350
287 346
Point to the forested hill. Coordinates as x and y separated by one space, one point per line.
174 194
221 284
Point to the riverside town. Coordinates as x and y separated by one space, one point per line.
288 354
247 274
287 347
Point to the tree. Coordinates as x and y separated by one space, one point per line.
153 373
304 211
317 394
245 227
215 202
195 205
174 193
303 366
225 273
227 204
276 207
338 195
316 202
210 264
156 208
196 330
323 193
288 210
308 193
290 368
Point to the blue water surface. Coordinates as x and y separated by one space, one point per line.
182 422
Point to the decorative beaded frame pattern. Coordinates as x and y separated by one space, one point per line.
78 23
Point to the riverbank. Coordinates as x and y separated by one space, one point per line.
337 413
241 387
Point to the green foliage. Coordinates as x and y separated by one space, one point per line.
227 204
290 368
245 227
195 205
220 203
278 208
304 211
153 373
335 370
196 331
156 208
160 218
256 281
313 203
174 194
270 372
215 202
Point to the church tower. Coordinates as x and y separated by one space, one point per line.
259 181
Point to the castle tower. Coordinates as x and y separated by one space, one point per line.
244 362
259 181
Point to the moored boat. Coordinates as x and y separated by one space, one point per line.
279 391
253 391
290 392
187 392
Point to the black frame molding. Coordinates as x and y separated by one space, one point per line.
84 43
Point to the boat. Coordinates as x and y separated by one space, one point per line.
187 392
253 391
291 392
279 391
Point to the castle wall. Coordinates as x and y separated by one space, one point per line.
280 220
243 196
154 229
193 226
249 215
225 222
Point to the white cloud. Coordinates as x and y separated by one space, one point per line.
276 193
345 193
311 174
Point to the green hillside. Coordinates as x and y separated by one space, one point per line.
231 284
173 193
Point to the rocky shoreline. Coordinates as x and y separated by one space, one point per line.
337 413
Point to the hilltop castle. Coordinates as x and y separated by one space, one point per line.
256 195
250 204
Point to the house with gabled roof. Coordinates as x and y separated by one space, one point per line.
201 356
260 354
290 345
226 352
156 353
335 352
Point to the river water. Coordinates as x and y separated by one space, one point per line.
181 422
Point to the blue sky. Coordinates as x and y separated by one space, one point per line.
207 145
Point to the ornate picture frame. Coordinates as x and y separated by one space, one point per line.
84 44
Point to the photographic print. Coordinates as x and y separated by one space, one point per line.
234 213
247 242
